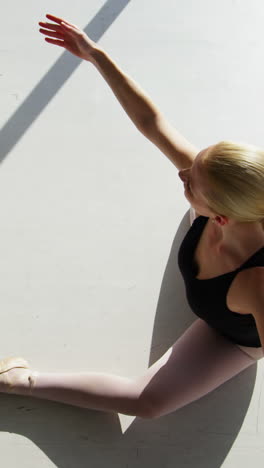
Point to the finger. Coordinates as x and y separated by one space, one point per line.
53 41
52 34
68 26
58 20
54 27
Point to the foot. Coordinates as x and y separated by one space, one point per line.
15 379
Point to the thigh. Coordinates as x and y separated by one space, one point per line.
255 353
196 364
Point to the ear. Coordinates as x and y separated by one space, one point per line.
222 220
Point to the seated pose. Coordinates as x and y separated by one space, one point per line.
221 260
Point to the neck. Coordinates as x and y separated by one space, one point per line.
238 235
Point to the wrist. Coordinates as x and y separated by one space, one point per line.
95 55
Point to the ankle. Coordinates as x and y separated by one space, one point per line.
32 381
21 382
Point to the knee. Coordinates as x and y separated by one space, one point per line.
148 409
149 404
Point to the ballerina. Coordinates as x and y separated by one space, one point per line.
228 336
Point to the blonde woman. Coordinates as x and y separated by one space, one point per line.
221 259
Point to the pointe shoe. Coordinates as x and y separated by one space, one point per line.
11 363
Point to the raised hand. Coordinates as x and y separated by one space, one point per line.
69 36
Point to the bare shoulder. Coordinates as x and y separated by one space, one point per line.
249 285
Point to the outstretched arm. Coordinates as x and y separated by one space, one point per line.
138 106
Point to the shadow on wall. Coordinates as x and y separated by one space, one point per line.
199 435
57 76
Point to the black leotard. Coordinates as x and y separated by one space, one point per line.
207 298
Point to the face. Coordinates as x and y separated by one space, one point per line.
195 182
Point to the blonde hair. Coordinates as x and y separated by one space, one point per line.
235 175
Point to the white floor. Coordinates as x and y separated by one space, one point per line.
92 216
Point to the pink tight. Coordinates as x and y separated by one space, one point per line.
198 362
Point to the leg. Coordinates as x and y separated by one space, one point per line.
197 363
200 361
